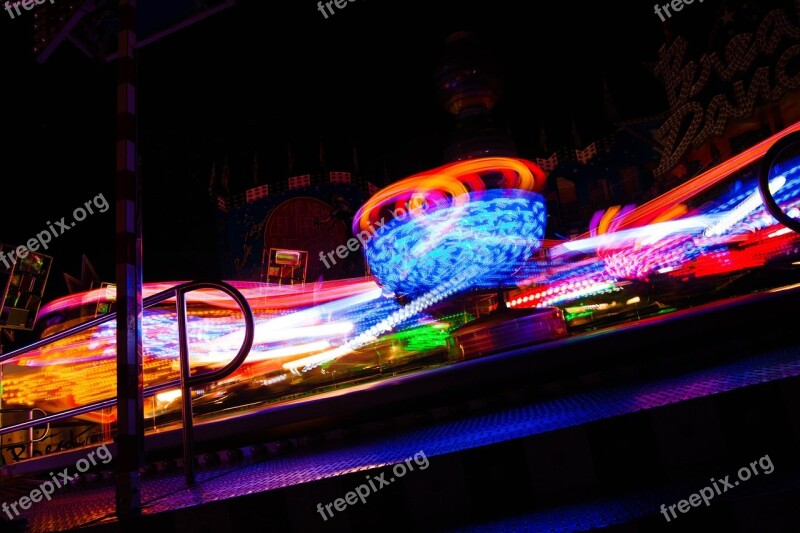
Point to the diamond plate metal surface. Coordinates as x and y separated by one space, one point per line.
83 504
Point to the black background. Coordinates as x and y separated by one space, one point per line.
261 75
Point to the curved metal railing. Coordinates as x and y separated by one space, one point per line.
31 441
768 161
186 381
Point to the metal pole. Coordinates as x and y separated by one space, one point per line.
130 407
186 391
30 435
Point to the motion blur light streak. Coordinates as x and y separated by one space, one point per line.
653 233
298 325
753 202
718 238
453 181
472 228
605 220
458 283
260 295
680 194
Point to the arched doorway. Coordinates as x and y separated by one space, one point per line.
293 225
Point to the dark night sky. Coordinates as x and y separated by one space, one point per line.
266 73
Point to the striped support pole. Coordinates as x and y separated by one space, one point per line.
130 410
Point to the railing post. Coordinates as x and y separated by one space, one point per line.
186 389
30 435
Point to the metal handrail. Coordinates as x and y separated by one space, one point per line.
186 381
147 302
31 441
767 162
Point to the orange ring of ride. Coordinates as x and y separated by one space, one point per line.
455 180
